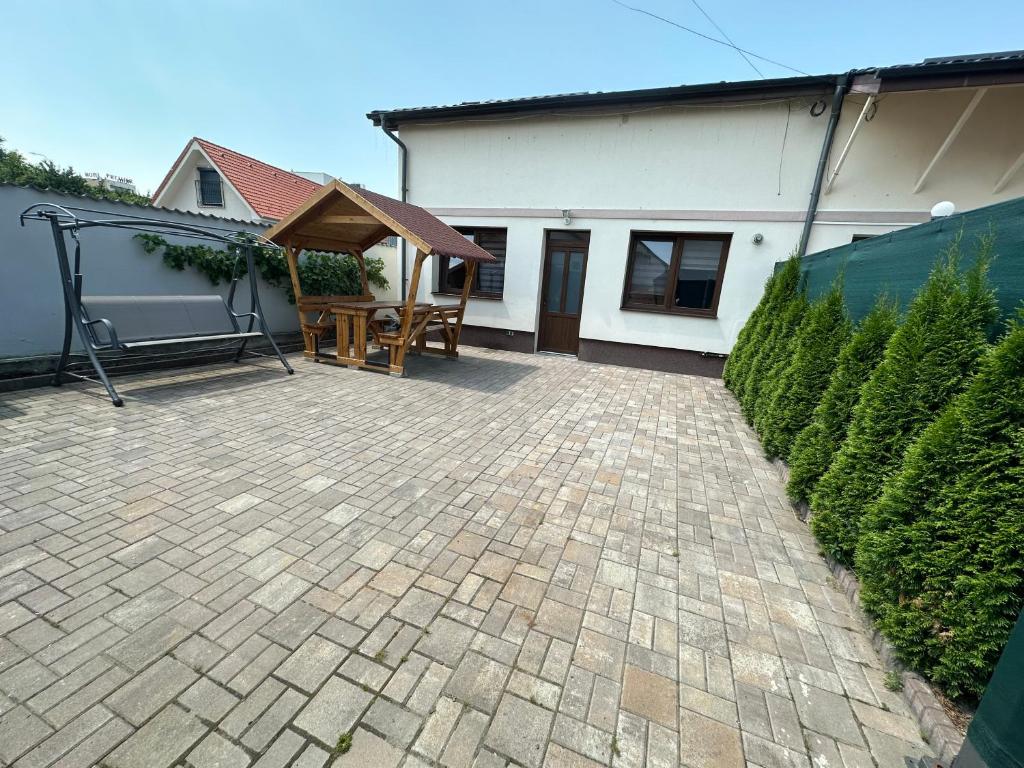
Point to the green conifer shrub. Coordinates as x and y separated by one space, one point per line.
823 332
941 554
738 362
816 445
778 351
783 287
927 361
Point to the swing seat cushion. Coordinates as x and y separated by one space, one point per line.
150 320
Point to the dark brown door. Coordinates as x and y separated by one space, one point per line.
565 273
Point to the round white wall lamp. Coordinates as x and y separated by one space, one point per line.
943 209
757 239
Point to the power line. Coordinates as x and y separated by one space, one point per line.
722 31
711 39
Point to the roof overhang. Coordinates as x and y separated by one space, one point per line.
977 70
944 73
707 93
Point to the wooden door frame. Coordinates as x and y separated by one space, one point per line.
545 276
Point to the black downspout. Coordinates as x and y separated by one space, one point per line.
404 152
842 87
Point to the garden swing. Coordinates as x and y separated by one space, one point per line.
122 324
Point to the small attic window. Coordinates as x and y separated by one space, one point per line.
209 189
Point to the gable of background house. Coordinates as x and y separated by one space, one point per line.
208 178
211 179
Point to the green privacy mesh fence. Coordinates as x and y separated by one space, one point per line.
899 262
996 732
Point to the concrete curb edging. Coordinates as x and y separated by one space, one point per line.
935 724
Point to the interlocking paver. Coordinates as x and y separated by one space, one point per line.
478 681
217 752
311 664
19 731
161 741
520 730
333 711
141 698
238 568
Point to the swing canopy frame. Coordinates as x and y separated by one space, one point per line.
120 325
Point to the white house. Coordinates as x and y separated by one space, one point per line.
638 227
208 178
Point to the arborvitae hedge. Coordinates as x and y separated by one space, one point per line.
775 352
738 362
815 447
928 360
783 287
816 346
941 558
778 354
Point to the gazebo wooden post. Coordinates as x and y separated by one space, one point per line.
410 304
291 255
361 259
467 286
341 219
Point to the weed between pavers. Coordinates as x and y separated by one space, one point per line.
344 744
893 680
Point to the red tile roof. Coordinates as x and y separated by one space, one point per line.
272 192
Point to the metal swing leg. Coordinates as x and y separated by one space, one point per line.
114 397
257 310
270 337
73 314
65 351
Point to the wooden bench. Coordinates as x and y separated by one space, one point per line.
441 319
323 324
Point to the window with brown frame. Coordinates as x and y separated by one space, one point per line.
489 281
677 273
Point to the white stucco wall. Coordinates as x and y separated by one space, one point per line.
392 270
737 169
694 158
180 193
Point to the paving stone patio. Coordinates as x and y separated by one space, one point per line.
507 558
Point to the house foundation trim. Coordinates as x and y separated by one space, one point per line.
652 358
497 338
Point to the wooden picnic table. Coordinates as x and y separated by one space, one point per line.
353 320
344 219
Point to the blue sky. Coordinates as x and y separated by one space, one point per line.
119 86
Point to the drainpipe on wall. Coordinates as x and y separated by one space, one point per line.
842 87
404 153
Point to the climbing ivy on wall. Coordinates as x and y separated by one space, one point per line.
320 274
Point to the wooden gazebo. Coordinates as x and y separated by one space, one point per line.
344 219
